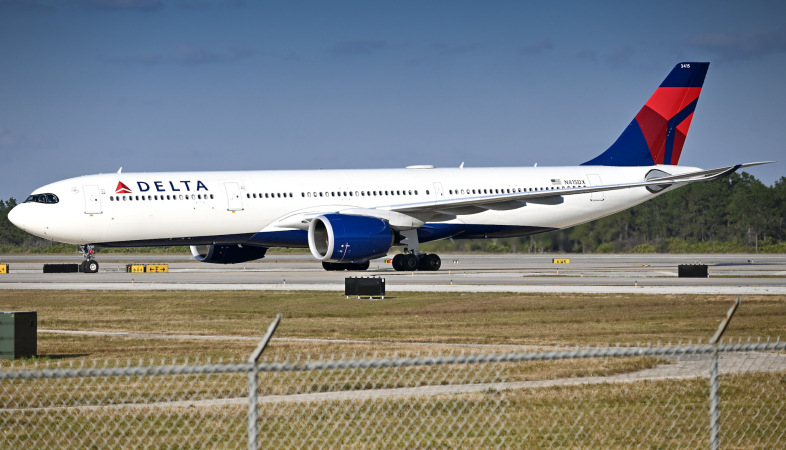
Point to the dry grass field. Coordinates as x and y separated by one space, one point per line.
327 325
393 324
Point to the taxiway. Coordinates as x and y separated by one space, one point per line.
646 274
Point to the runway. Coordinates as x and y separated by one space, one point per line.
594 274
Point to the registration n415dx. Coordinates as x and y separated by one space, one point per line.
348 217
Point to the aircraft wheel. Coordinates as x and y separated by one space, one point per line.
430 263
330 267
409 262
90 266
397 263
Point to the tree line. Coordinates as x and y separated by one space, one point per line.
734 214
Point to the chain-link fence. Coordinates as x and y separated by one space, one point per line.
599 397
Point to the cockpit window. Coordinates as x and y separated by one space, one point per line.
42 198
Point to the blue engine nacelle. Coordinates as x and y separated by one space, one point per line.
227 253
345 238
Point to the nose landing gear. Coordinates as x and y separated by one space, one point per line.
89 265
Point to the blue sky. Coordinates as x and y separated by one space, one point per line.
88 86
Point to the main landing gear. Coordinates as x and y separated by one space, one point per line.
89 265
409 262
412 259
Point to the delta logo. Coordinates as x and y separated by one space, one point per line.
122 188
159 186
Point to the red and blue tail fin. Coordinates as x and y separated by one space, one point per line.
657 133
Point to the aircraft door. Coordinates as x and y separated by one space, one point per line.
92 199
594 180
438 193
234 198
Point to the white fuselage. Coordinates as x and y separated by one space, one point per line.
179 208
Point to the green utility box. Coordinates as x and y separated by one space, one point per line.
18 334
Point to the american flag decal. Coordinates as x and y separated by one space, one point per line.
556 181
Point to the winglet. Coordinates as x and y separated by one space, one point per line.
657 133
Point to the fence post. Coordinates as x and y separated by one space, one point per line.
253 379
714 414
714 399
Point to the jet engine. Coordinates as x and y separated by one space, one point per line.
227 253
345 238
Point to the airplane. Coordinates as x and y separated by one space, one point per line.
349 217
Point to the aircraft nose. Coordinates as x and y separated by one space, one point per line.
23 217
16 216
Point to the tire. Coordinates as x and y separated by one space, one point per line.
430 263
91 266
397 266
409 262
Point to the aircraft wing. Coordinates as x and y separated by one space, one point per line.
413 215
554 195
